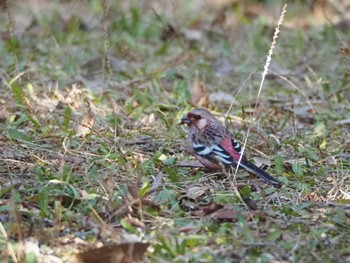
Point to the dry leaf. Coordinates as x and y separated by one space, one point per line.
261 161
121 253
196 191
250 203
229 214
207 209
190 164
313 196
219 19
86 124
187 229
226 214
198 96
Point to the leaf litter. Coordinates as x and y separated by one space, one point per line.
111 178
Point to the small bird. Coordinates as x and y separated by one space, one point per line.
214 146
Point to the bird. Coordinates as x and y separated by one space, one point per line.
214 146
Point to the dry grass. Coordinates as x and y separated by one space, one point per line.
92 155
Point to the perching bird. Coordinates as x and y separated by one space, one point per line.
214 146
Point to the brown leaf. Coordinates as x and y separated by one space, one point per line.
345 47
150 204
250 203
86 124
121 253
131 206
227 214
187 229
313 196
133 190
219 19
198 97
211 207
207 209
196 191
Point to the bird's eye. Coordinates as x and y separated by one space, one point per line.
197 117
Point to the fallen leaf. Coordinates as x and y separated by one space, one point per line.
190 198
188 228
261 161
250 203
230 214
121 253
196 191
190 164
345 47
313 196
207 209
226 214
219 19
86 124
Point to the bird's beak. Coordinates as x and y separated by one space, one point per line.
185 120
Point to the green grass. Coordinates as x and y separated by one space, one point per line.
123 181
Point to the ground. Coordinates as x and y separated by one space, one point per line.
94 166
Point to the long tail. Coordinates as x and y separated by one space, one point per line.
261 173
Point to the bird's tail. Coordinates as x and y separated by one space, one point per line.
261 173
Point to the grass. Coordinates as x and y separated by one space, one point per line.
129 70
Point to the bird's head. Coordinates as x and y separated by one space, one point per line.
197 118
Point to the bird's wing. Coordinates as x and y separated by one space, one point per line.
228 153
215 152
232 147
